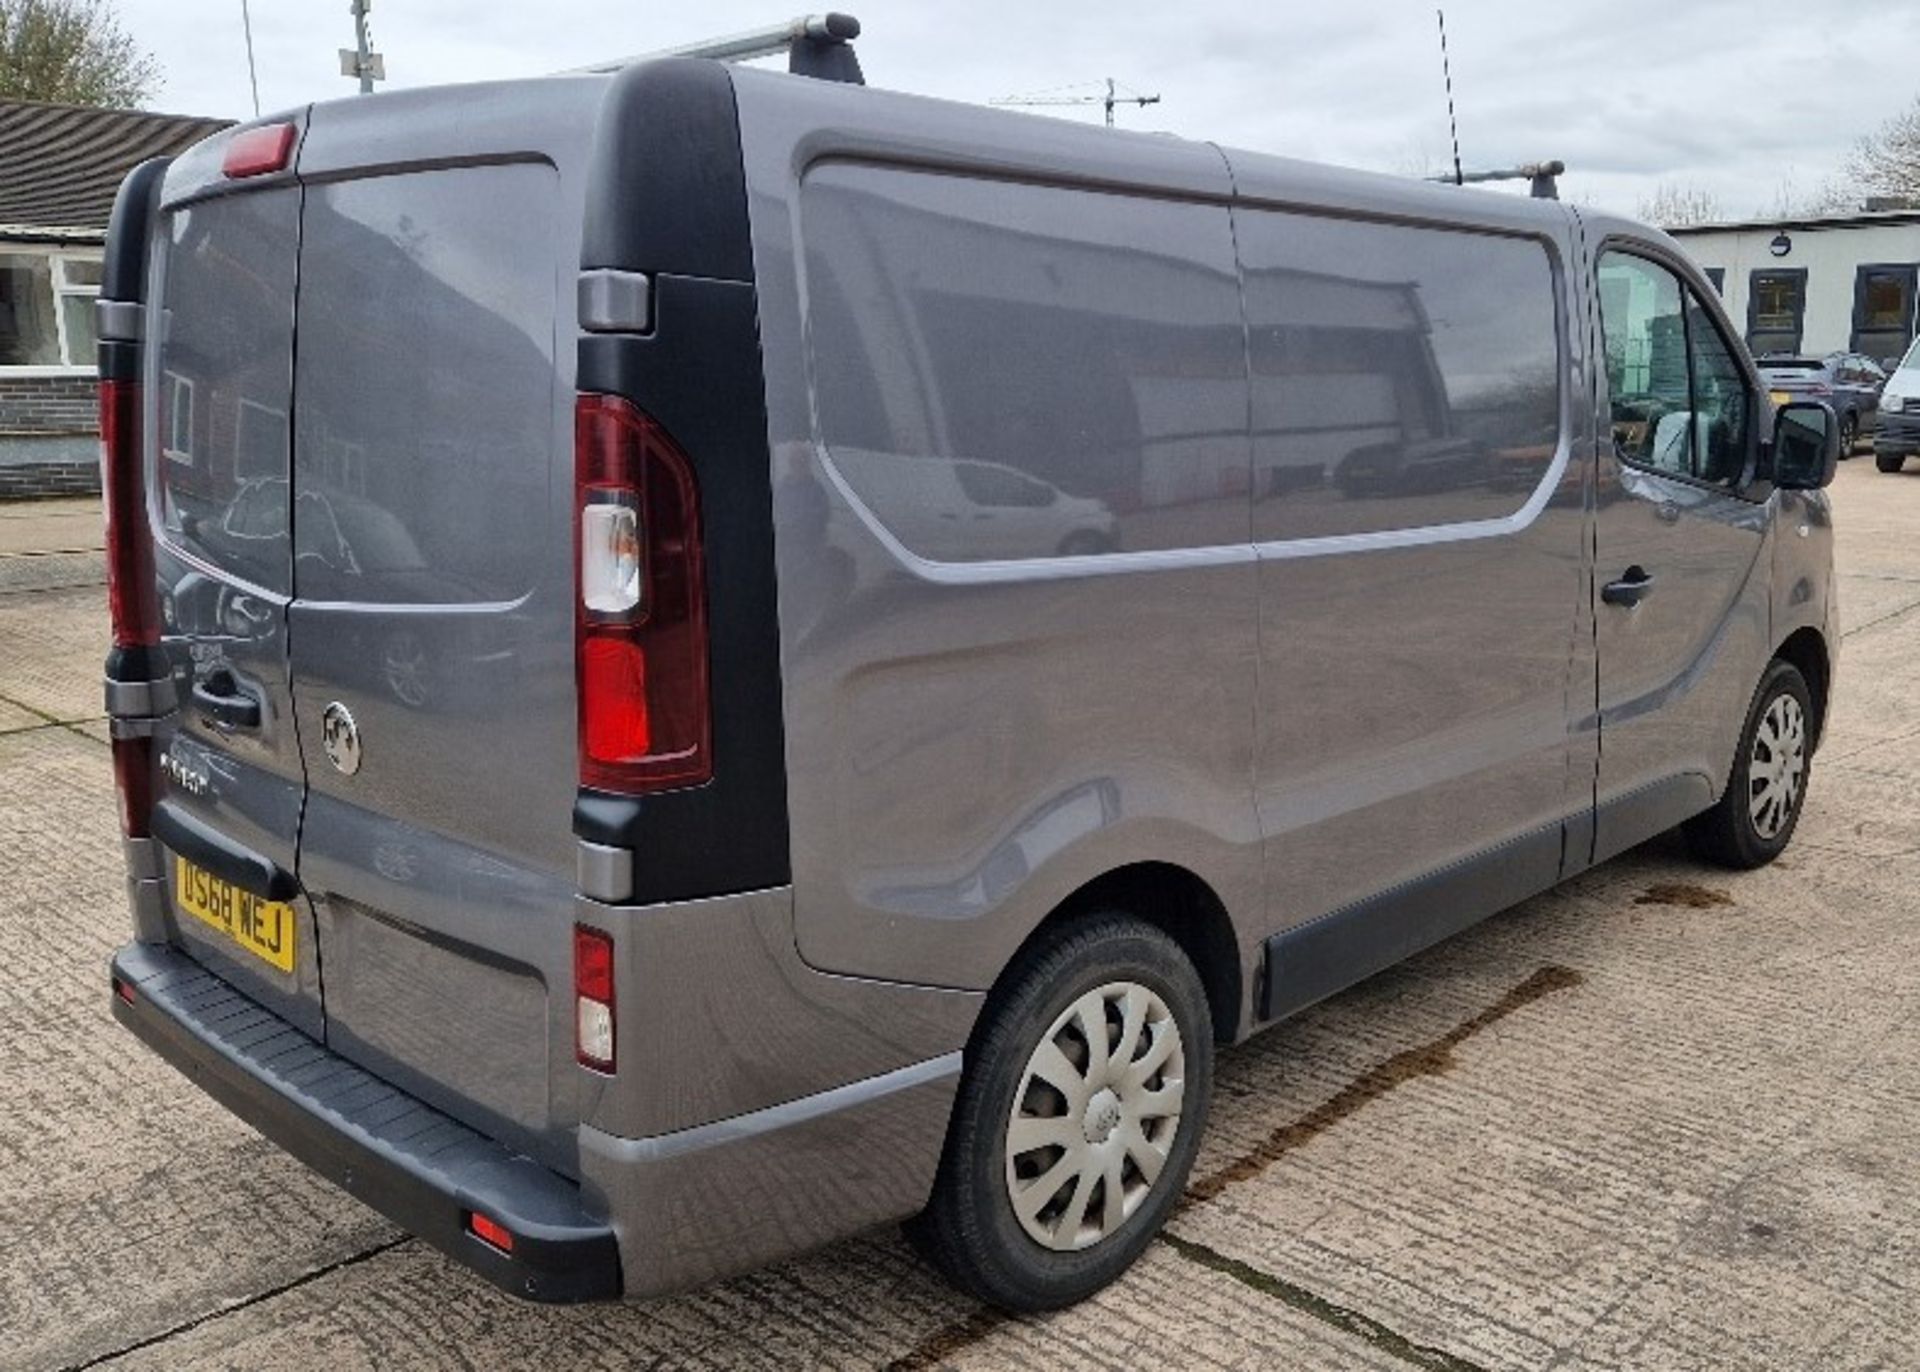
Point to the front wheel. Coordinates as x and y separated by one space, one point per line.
1079 1114
1757 814
1889 462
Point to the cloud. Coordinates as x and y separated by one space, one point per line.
1734 96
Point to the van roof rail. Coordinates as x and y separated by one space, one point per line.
817 45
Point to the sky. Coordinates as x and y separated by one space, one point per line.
1745 99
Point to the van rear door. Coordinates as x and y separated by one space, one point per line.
218 376
431 634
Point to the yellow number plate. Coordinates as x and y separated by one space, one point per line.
262 927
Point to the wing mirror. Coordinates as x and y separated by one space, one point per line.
1806 445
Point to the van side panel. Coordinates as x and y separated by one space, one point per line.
1005 393
1420 515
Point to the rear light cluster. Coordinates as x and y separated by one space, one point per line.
640 616
131 601
593 998
133 604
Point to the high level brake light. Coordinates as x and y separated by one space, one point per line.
259 150
641 616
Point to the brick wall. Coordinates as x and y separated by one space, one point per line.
48 405
41 480
42 420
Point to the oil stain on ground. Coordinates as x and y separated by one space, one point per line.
1428 1060
1683 893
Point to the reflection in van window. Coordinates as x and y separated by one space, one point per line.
1016 371
426 408
1402 377
227 274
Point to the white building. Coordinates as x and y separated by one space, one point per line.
1820 285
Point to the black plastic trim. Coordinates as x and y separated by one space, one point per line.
668 191
213 851
699 375
1307 964
123 273
421 1169
139 662
1633 818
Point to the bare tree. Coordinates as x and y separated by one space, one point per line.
1887 161
1673 206
71 52
1835 195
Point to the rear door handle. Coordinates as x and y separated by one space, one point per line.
222 700
1630 589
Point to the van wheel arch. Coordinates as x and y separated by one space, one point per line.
1806 649
1181 905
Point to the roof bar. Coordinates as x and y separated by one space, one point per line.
810 42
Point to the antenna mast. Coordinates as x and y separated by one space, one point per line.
1453 125
1111 98
253 77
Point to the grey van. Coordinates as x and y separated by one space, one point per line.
706 659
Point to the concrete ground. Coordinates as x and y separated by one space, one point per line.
1662 1117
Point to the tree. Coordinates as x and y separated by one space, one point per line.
1887 161
71 52
1674 206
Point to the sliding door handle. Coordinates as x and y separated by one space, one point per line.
1630 589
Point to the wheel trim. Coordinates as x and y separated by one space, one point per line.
1095 1116
1776 766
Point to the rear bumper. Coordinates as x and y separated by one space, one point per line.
426 1172
650 1215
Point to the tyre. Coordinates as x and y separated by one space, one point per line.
1755 817
1889 462
1849 435
1080 1110
1085 543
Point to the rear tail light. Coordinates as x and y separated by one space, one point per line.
641 613
131 598
593 998
133 775
257 151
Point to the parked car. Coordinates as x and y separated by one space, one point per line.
1848 382
822 861
1898 436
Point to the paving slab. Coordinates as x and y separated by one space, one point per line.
53 645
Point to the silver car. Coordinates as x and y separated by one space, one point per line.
915 626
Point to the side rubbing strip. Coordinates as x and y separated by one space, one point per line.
1310 963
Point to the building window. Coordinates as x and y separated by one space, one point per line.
177 419
1776 310
1883 305
46 309
1718 276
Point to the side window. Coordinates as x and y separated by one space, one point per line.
1403 377
1679 401
1722 403
1646 343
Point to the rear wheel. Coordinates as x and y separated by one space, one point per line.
1889 462
1078 1117
1756 816
1849 434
